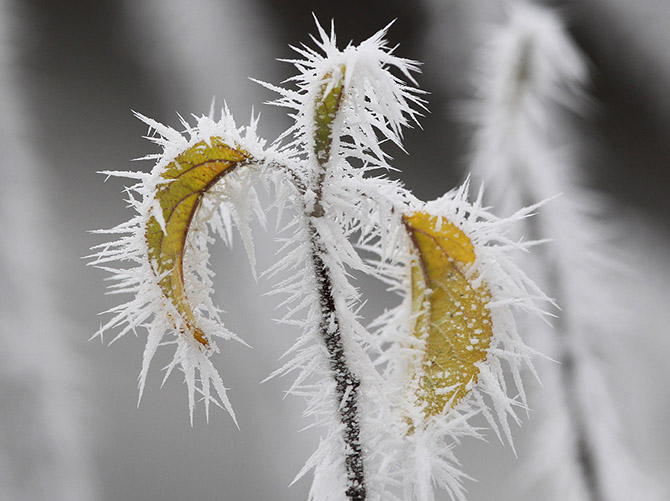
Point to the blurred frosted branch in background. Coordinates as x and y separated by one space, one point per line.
530 77
42 451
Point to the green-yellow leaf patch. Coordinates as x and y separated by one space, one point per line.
187 179
326 106
453 323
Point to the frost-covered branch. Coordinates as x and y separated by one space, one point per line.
393 401
345 99
530 78
346 382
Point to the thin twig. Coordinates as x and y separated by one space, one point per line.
346 382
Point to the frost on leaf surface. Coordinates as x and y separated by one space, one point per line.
452 320
187 180
202 183
453 348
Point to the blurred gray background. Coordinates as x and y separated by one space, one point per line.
82 66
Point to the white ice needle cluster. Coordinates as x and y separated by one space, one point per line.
375 107
412 463
232 202
347 103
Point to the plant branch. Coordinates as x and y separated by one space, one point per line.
346 382
326 106
582 441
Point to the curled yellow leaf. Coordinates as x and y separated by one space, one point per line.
187 179
452 322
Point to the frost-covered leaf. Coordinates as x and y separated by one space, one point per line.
161 255
187 180
452 350
373 104
452 322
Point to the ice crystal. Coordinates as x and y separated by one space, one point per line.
232 201
346 105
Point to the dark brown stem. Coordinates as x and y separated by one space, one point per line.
346 382
326 107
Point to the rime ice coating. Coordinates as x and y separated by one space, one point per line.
186 181
188 193
453 325
346 105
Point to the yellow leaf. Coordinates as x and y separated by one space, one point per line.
188 177
453 323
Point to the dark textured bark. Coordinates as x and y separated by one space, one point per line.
326 107
346 382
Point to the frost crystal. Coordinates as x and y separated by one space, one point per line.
363 385
231 200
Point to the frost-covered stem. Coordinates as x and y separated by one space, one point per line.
346 382
317 207
325 110
531 74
